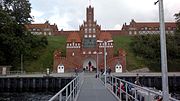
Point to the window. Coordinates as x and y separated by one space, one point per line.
90 31
85 25
85 36
44 33
94 36
89 52
135 32
130 32
84 52
34 29
94 30
85 30
73 54
156 28
146 28
169 28
38 29
90 36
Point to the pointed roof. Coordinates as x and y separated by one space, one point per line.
105 36
73 37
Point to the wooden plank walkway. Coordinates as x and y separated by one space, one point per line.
93 90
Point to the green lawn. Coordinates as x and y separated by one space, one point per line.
45 60
124 42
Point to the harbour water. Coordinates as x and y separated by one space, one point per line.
26 96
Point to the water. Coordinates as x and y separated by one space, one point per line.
26 96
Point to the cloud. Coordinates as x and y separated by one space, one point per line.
69 14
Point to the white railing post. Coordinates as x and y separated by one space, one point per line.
66 92
126 91
60 97
120 90
112 84
148 96
71 92
116 86
135 94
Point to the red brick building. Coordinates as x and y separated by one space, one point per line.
42 28
147 28
82 48
84 51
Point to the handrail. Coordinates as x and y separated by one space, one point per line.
71 89
125 90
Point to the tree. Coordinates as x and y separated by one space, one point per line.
18 9
14 38
177 18
177 33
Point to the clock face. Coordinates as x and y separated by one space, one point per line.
89 42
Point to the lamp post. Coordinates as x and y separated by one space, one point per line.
105 44
165 87
21 63
97 64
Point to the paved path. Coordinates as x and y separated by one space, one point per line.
93 90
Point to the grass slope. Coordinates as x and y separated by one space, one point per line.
45 60
124 42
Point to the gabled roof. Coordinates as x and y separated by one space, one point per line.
139 25
105 36
40 26
73 37
154 24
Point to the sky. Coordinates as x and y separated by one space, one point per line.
110 14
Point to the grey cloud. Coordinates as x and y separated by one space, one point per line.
108 13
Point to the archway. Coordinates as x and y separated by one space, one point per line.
89 64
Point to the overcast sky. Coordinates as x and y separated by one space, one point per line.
110 14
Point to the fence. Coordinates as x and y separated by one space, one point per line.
126 91
70 91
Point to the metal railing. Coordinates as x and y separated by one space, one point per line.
126 91
70 91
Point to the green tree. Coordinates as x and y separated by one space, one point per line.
14 38
18 9
177 33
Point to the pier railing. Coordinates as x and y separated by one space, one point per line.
127 91
70 91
